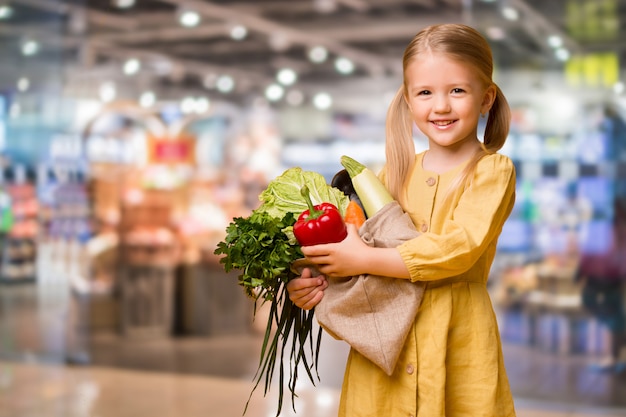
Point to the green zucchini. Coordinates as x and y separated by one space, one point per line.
370 189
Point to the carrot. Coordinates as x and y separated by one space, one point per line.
354 214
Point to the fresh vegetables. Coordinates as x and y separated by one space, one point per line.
319 224
342 181
283 194
368 186
355 214
262 247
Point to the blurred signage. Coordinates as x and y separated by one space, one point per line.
179 150
594 70
592 20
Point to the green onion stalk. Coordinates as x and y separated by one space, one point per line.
260 248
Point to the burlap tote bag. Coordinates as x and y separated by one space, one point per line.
374 314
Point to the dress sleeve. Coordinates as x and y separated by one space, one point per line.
471 227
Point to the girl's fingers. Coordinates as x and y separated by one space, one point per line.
299 284
313 301
301 291
306 291
306 273
316 250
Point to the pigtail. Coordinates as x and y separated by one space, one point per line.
498 123
399 145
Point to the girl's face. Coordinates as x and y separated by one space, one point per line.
446 99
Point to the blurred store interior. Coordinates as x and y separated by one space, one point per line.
133 131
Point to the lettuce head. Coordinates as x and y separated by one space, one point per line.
283 196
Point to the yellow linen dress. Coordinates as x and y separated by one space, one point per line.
451 364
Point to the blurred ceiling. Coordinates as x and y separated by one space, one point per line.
93 38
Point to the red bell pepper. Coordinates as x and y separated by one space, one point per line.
319 224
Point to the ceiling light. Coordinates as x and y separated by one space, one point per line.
344 65
202 105
510 13
225 84
194 105
238 32
107 91
274 92
286 76
132 66
147 99
562 54
555 41
30 48
188 105
23 84
322 101
123 4
189 18
318 54
6 11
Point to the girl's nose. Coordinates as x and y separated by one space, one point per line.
441 103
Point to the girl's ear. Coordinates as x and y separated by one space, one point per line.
488 99
406 101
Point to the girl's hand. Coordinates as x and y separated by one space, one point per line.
307 291
344 259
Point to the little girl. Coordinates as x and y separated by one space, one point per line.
458 193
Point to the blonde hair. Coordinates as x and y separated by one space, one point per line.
467 45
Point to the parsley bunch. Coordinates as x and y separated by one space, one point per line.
262 248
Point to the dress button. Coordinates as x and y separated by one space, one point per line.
424 228
431 181
410 369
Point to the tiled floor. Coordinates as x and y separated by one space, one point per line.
212 376
48 390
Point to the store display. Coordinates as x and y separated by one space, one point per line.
20 229
153 218
566 213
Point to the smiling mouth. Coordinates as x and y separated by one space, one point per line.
442 122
